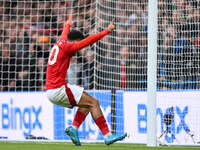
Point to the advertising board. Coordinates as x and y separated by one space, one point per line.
184 125
25 113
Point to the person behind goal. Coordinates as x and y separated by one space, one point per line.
66 95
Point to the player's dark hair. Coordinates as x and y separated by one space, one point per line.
75 35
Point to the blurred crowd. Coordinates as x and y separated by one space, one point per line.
28 30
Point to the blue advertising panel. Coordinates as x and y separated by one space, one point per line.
25 113
181 126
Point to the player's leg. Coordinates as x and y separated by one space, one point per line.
80 117
92 104
72 130
88 104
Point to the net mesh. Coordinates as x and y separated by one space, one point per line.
178 45
30 28
178 71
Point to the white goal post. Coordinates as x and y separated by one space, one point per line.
152 72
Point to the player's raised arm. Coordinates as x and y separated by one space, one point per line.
94 38
66 28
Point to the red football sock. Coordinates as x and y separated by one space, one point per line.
101 123
78 119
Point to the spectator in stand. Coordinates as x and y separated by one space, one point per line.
55 9
139 58
19 9
44 9
22 45
166 63
7 69
37 20
41 73
35 51
177 63
88 73
1 49
87 26
125 69
55 14
105 67
74 70
171 57
196 20
102 48
81 59
27 78
60 24
44 43
121 35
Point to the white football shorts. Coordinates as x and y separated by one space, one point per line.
66 96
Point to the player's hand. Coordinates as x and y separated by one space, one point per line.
111 26
70 20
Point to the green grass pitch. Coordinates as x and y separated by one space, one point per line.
85 146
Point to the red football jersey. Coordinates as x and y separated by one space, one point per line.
60 55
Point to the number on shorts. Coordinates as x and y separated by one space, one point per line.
53 55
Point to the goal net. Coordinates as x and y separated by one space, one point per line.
114 70
178 71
